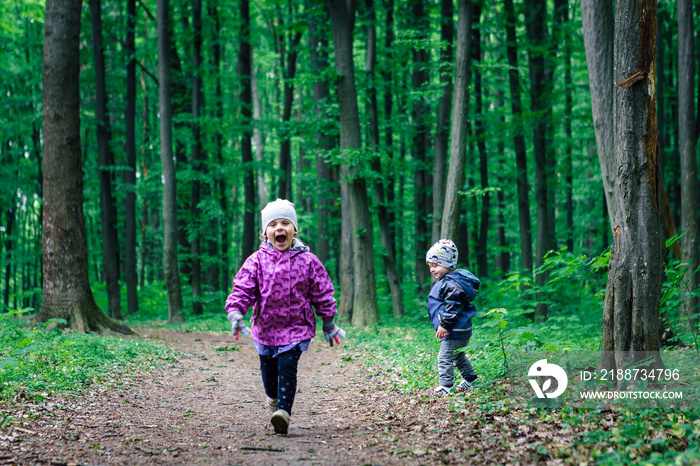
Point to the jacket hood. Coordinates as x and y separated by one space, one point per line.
467 280
297 246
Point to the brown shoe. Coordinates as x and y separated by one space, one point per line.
280 421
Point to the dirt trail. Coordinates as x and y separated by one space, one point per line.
207 408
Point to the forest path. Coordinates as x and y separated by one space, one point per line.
207 407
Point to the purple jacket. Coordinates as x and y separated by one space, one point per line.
282 287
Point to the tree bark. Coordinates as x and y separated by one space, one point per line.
392 276
66 286
171 268
458 134
598 35
690 254
518 140
480 133
108 208
130 263
536 27
246 100
443 116
633 293
364 290
419 148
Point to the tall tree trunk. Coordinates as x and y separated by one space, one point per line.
598 35
66 287
503 256
458 135
633 293
288 65
388 91
221 270
481 257
392 276
518 140
171 268
443 122
197 160
246 99
258 139
536 25
319 64
9 249
130 263
110 243
421 134
364 290
688 144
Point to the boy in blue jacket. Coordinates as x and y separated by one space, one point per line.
451 310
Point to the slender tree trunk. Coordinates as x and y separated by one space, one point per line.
503 256
171 268
536 26
419 148
364 291
110 243
319 63
481 249
66 286
443 121
197 160
258 139
458 135
519 140
389 90
598 35
130 263
9 248
688 144
246 99
392 276
633 293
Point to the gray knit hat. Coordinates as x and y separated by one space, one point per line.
444 253
281 208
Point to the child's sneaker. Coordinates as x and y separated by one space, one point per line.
280 421
271 404
443 391
464 386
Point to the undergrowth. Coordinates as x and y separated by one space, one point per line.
39 362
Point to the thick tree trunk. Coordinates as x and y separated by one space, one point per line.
392 276
518 140
443 116
171 269
66 287
633 293
245 71
688 142
364 290
130 263
458 135
108 208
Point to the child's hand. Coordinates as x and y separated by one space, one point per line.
237 325
334 335
441 333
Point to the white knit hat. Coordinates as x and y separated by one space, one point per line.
444 253
281 208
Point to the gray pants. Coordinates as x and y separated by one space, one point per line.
451 355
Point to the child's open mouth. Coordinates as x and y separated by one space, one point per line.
281 239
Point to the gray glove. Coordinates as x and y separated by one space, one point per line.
332 333
237 325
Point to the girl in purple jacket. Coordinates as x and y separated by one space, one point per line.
282 281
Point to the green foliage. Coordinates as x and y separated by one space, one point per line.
39 362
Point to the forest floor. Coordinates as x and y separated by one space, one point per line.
207 407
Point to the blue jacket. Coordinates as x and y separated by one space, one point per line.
450 303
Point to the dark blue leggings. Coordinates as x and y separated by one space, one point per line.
279 376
